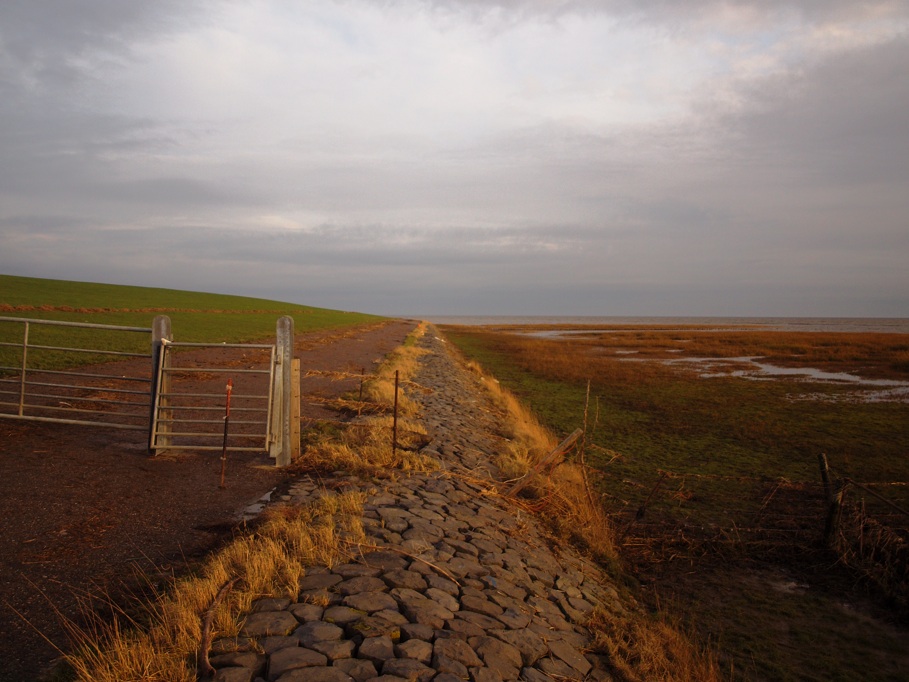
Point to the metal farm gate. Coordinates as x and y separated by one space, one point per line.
178 397
190 406
44 375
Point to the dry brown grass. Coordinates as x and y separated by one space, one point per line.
404 360
268 562
556 490
871 355
643 649
365 449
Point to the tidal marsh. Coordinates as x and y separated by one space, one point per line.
713 481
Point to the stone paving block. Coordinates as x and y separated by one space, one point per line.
238 659
485 675
416 631
342 648
426 612
457 649
464 628
399 577
446 677
559 669
447 665
341 615
570 655
319 581
360 584
481 605
386 561
408 668
443 598
272 644
370 602
499 655
323 674
441 583
267 623
531 645
377 649
359 669
306 612
416 649
235 675
534 675
292 658
318 631
479 619
270 604
347 571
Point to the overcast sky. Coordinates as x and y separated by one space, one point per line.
613 157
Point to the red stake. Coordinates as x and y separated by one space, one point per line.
230 388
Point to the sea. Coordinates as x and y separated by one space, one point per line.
893 325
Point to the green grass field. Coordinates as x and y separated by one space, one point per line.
198 316
195 317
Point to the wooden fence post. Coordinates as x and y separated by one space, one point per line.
295 411
825 477
834 513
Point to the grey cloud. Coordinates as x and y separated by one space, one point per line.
674 11
844 120
43 39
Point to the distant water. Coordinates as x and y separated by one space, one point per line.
895 325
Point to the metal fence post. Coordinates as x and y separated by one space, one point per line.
22 380
161 334
281 447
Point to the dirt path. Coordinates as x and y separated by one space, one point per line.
84 510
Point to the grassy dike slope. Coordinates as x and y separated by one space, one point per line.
195 316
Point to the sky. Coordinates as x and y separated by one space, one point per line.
465 157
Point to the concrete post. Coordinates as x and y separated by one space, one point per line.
281 446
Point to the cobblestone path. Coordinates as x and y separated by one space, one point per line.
463 586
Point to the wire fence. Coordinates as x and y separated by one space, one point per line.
695 517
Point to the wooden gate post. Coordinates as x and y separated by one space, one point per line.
281 447
160 384
295 412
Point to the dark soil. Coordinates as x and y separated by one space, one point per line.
86 513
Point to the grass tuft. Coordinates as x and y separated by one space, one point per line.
643 649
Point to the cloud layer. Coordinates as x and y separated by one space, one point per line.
465 157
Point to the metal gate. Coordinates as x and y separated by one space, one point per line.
190 404
190 395
87 374
86 381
